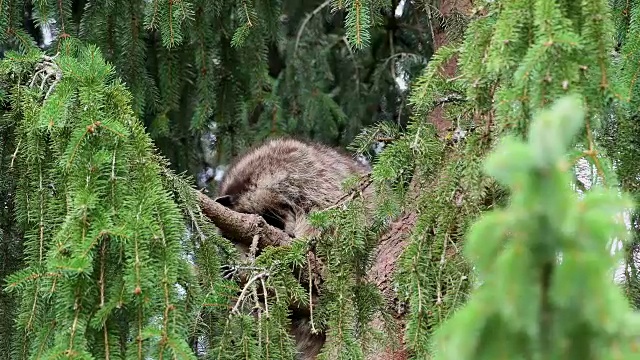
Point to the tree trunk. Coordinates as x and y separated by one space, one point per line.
393 243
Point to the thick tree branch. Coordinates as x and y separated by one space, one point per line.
242 227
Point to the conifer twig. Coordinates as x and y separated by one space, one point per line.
313 326
306 20
15 154
266 301
593 153
243 294
355 64
364 183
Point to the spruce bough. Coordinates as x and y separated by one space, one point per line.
547 290
102 232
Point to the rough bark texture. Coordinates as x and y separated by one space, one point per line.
391 246
447 8
242 227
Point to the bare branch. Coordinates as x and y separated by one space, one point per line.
306 20
242 227
236 308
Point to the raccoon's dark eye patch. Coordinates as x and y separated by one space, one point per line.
273 220
226 200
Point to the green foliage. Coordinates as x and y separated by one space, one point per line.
246 70
109 262
350 302
103 235
241 70
10 249
623 129
532 304
265 334
515 58
533 52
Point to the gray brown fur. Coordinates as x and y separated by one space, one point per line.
283 180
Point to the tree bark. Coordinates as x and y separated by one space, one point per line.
393 243
242 227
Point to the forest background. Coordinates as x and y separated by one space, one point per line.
98 235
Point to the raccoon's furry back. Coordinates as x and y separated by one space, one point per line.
284 179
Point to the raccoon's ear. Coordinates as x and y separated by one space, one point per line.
226 200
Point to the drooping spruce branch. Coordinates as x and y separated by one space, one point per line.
103 236
515 59
543 257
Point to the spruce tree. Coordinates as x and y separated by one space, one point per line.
515 59
622 131
543 261
102 232
195 72
238 72
317 69
107 270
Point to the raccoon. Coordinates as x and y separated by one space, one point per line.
283 180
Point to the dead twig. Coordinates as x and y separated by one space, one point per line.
47 69
243 294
